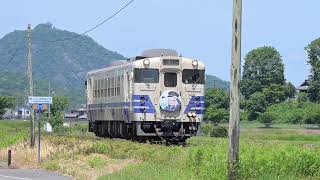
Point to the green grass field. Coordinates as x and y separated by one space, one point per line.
281 152
12 132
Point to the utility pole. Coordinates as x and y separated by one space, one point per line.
234 120
30 84
49 110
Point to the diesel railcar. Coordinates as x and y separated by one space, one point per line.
156 95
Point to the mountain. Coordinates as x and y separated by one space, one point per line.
63 63
215 82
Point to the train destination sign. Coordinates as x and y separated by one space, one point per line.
39 100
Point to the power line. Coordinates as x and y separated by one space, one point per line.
10 60
95 27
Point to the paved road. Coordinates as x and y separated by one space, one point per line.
30 174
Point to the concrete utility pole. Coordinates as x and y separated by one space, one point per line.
30 83
49 110
234 120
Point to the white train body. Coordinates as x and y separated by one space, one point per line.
147 96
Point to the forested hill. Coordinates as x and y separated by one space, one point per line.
64 63
215 82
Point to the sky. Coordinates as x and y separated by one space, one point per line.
200 29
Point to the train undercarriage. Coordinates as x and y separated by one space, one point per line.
145 130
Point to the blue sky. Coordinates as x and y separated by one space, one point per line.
199 29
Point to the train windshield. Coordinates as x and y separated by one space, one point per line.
193 76
170 79
142 75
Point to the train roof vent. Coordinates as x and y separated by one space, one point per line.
159 52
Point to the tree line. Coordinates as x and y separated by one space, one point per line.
266 95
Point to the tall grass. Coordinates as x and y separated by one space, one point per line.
206 158
264 154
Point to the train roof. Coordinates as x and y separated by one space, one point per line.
150 53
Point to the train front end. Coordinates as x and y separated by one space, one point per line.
168 96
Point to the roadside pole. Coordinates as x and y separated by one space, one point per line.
39 104
32 140
39 137
234 120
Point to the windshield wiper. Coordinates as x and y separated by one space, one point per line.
194 85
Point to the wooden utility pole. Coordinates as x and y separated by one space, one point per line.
30 84
234 120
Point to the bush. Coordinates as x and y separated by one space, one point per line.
216 115
312 115
99 148
219 131
295 112
267 118
206 129
96 162
52 166
256 104
56 121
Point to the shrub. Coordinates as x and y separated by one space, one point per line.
295 112
52 166
99 148
219 131
216 115
56 121
206 129
267 118
96 162
256 104
312 115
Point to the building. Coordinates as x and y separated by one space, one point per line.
78 113
303 87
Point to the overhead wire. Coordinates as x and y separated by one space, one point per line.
10 59
70 38
95 27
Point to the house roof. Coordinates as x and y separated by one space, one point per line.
304 86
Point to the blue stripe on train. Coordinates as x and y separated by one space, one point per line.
142 104
198 105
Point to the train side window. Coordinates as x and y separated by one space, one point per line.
170 79
95 87
118 85
112 86
142 75
109 91
99 88
105 88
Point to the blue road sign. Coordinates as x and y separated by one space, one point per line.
40 107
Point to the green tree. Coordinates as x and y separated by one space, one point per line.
6 102
290 90
275 93
216 115
302 97
59 104
255 105
263 66
217 97
313 50
57 121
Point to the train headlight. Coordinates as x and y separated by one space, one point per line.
146 62
194 114
189 114
194 63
